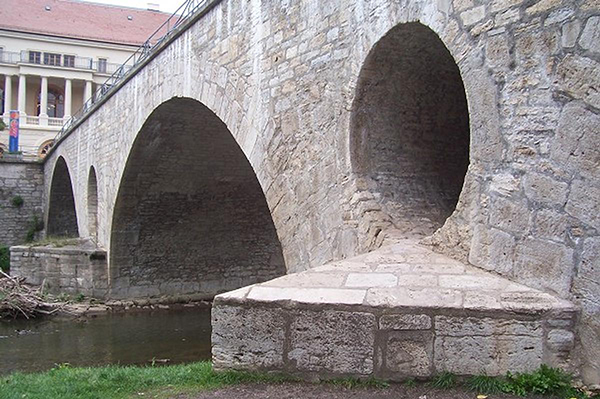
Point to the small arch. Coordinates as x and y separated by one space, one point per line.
62 217
409 129
92 204
45 148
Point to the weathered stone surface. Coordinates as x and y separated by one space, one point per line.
550 224
471 326
409 355
590 37
25 180
545 190
578 76
561 340
473 15
570 32
584 203
371 280
575 141
405 322
510 215
534 258
333 341
487 354
308 295
492 249
256 343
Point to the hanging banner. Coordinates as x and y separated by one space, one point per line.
13 143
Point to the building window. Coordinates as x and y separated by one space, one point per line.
35 57
69 61
52 59
56 103
102 65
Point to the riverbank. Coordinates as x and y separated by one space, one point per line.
200 381
19 300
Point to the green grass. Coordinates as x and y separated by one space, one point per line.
445 380
115 382
545 381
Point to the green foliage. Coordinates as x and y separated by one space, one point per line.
2 125
544 381
79 297
4 259
17 201
485 384
116 382
445 380
410 383
35 225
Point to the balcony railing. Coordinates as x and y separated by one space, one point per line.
37 121
24 57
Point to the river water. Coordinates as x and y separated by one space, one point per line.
181 335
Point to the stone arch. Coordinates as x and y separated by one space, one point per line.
45 147
409 129
190 216
62 216
92 204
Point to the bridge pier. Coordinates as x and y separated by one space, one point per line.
399 312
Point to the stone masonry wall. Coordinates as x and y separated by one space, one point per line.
26 180
283 75
62 270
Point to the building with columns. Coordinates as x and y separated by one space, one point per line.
53 56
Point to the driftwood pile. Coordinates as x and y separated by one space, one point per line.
17 300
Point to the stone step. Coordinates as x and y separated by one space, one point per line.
399 312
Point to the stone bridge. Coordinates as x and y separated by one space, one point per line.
272 137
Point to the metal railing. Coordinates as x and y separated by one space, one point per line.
160 35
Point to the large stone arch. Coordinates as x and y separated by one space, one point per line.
62 216
409 129
190 216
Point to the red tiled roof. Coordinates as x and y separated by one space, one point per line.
81 20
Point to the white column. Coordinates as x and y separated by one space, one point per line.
68 96
22 94
44 102
88 90
7 95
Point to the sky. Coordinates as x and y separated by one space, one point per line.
165 5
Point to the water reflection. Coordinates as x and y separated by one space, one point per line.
128 338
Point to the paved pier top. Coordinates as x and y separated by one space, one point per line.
400 312
402 275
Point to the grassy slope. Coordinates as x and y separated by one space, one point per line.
114 382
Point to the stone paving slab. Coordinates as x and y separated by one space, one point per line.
399 275
402 311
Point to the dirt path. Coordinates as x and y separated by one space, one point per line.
327 391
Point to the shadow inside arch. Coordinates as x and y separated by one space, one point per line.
62 216
409 129
190 216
